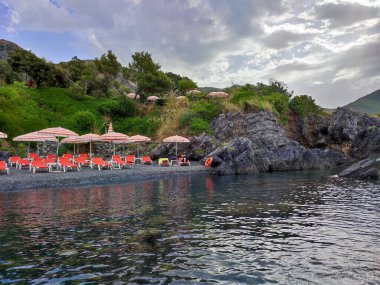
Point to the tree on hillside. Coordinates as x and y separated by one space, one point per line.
40 71
304 105
185 85
108 64
147 75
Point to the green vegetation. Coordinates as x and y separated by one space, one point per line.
369 104
85 95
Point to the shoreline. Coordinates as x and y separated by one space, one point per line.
21 180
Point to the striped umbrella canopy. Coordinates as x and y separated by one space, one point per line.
71 140
3 135
194 91
152 98
89 138
59 133
114 137
34 137
176 139
139 138
218 94
133 96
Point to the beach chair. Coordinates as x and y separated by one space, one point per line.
24 162
51 156
49 160
4 167
39 164
13 160
68 155
116 159
82 161
84 155
33 155
163 162
147 160
65 164
100 163
130 160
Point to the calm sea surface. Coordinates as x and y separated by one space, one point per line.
281 228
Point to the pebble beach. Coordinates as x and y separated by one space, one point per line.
23 179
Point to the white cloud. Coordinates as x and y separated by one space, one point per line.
322 48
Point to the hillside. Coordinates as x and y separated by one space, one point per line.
369 104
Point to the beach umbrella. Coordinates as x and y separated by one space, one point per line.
139 138
180 97
218 94
34 137
89 138
176 139
193 92
114 137
71 140
59 132
152 98
133 96
3 135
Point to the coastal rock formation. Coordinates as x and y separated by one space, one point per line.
197 149
358 133
368 168
255 142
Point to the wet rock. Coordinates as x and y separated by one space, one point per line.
368 168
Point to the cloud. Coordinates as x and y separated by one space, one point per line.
345 14
321 48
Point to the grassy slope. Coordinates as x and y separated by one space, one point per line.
368 104
25 110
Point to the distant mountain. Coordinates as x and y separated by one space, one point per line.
369 104
209 89
6 47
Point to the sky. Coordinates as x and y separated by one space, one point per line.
328 49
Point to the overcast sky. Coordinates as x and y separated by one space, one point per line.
327 49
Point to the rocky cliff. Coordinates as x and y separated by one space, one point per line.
6 47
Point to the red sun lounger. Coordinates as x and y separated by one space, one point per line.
4 167
100 163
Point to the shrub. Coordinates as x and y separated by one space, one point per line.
84 121
242 96
109 107
198 125
304 105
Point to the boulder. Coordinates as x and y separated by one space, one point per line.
365 169
355 133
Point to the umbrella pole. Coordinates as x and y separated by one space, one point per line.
90 148
28 148
38 149
176 151
114 149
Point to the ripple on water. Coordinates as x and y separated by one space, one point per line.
269 228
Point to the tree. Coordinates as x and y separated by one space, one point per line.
108 64
186 85
304 105
147 75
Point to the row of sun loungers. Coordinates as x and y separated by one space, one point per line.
69 162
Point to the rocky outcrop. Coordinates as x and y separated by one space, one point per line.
255 142
365 169
356 134
6 47
197 149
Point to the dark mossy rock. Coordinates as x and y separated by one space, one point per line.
368 168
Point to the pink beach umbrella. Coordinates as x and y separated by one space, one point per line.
193 92
3 135
71 140
89 138
139 138
34 137
59 132
133 96
152 98
218 94
114 137
176 139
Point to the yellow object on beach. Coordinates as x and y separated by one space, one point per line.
163 161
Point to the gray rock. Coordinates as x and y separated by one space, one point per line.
364 169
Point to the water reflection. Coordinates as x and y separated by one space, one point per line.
268 228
